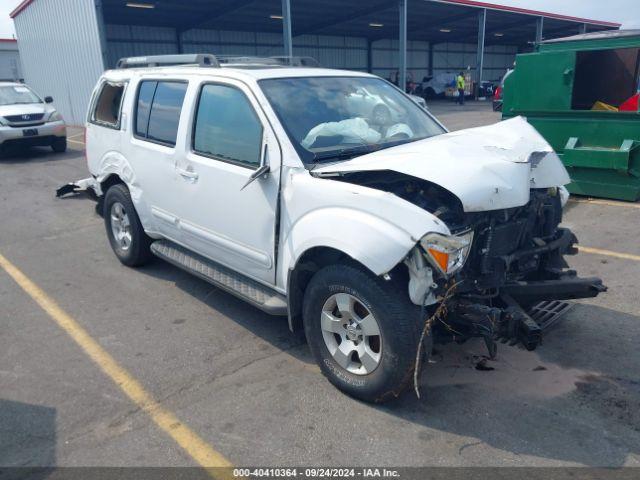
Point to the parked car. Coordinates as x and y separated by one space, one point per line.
275 185
28 120
499 93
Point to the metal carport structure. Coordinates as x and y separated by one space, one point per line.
421 37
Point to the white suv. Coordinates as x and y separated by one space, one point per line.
278 185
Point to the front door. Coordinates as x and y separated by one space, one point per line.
229 137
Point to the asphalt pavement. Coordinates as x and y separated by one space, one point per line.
248 388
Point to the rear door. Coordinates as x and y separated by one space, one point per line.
221 215
155 142
105 122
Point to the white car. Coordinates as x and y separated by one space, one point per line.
28 120
269 183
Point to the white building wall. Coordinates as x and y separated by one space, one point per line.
60 52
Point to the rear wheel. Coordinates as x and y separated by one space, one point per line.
124 230
362 332
59 145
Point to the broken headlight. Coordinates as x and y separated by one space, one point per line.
447 253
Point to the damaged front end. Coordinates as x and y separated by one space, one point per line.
499 191
514 261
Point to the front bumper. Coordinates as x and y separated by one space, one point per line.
46 133
507 315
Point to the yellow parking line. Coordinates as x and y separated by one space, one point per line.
75 141
609 203
195 446
609 253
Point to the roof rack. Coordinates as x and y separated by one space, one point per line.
295 61
229 60
193 59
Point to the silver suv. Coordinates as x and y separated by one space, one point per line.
28 120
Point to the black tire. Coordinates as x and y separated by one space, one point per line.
397 319
59 145
138 253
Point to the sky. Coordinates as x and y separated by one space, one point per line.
626 12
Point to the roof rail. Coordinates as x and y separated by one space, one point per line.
195 59
233 60
296 61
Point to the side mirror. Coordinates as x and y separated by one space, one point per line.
48 99
263 170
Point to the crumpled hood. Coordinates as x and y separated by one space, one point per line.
487 168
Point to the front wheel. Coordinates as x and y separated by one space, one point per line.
362 332
124 230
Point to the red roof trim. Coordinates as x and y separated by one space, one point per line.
11 40
505 8
20 8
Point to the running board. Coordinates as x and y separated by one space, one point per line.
242 287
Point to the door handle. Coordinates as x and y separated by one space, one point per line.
188 173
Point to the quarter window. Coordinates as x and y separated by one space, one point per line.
158 110
227 126
107 107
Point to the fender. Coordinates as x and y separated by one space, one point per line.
373 242
114 163
375 228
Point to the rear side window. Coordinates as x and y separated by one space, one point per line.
158 110
107 108
227 126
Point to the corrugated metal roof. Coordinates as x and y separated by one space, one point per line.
469 3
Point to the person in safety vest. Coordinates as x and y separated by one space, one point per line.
460 84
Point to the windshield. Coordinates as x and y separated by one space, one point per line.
14 94
333 118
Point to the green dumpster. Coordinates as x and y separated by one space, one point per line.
580 94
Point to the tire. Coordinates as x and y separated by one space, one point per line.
59 145
396 319
124 230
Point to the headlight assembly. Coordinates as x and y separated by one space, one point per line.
447 253
55 116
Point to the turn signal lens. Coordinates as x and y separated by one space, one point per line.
441 258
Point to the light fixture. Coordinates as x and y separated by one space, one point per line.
140 5
376 25
498 34
275 17
445 30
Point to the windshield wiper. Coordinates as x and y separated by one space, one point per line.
344 153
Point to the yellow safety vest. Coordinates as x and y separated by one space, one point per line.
461 83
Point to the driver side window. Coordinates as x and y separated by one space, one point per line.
227 127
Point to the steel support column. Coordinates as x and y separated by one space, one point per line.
583 28
369 55
482 23
286 28
539 29
402 46
431 47
179 41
